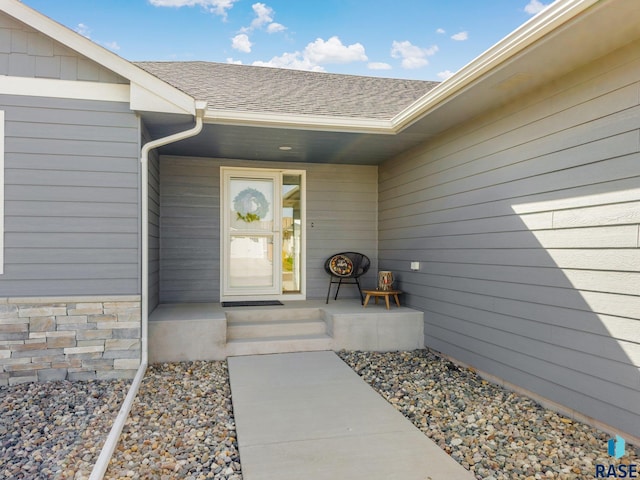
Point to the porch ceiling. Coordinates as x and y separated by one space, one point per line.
262 143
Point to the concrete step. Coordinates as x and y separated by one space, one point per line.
284 344
268 314
274 328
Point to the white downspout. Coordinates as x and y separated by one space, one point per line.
100 468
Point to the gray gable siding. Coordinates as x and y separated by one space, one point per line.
25 52
526 224
341 216
71 198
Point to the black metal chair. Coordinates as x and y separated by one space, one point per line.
346 267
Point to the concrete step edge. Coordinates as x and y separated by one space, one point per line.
276 330
275 314
243 323
280 339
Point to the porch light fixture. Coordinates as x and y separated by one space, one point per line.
285 148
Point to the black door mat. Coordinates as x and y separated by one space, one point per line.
252 303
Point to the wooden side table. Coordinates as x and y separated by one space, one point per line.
381 293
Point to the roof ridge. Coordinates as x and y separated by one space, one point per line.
294 71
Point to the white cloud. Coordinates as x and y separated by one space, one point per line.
295 61
379 66
460 36
234 62
219 7
535 6
334 51
241 42
445 74
441 31
275 27
83 30
113 46
264 15
316 54
412 56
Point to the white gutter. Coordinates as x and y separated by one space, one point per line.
100 468
300 121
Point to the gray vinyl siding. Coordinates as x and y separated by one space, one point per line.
526 224
154 225
71 198
341 216
25 52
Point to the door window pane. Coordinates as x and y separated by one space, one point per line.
291 233
251 202
251 261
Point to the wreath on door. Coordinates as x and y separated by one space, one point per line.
250 205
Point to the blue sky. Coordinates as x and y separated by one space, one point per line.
419 39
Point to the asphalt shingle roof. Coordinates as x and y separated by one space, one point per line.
255 89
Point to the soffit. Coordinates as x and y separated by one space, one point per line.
262 143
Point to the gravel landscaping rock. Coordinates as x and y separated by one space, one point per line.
55 430
495 433
181 426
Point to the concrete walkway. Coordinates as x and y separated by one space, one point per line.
309 416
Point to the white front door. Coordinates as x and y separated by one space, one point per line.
255 233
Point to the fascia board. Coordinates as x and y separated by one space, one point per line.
145 100
299 122
98 54
553 17
72 89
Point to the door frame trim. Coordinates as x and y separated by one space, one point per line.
224 170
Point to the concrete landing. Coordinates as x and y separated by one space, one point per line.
309 416
208 331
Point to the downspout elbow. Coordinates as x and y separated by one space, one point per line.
200 108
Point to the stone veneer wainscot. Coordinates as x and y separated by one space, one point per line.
69 338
